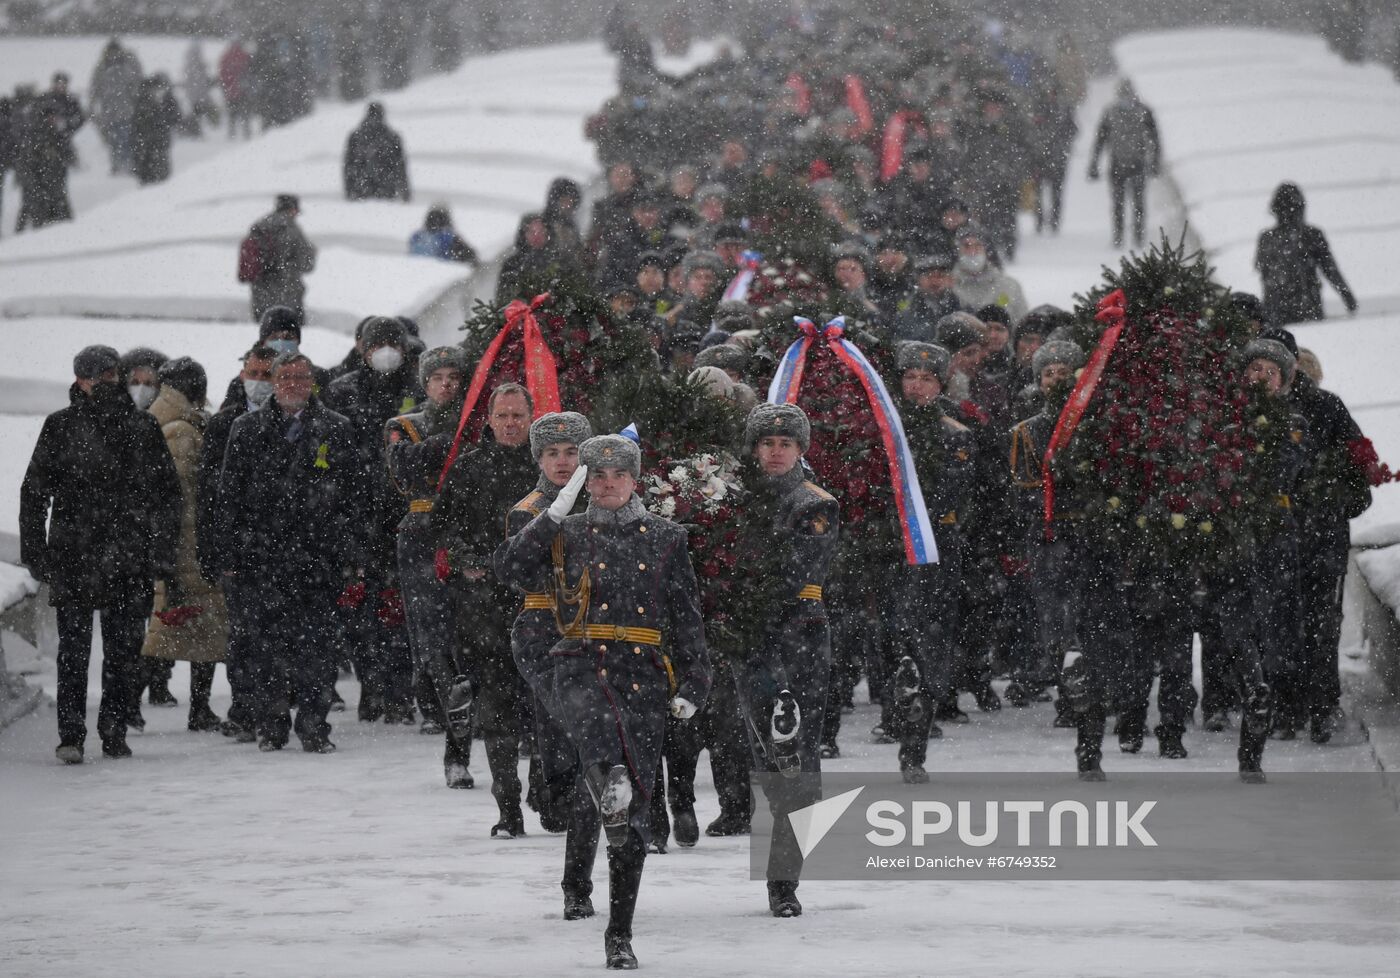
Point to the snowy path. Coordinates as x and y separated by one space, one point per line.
199 856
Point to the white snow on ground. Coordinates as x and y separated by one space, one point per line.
1240 112
199 856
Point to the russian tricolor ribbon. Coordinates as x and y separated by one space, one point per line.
738 288
919 544
541 372
1112 311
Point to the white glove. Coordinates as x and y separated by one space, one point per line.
564 502
682 708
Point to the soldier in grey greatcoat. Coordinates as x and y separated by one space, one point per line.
632 649
416 447
789 541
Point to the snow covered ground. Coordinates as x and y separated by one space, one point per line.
200 856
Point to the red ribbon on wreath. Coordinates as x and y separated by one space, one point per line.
1112 312
541 372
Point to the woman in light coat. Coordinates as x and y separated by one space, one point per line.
190 621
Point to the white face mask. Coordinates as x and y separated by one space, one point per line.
973 264
283 346
258 391
386 359
143 394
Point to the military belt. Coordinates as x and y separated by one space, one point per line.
1284 501
539 602
620 633
949 519
812 592
420 505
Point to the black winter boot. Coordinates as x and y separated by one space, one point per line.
782 898
625 863
1254 734
1169 743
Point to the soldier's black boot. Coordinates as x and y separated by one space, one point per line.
782 898
1089 749
501 755
1169 743
1254 734
783 730
1131 731
454 765
660 818
611 789
625 863
580 852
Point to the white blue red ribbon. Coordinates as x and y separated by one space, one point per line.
738 288
919 544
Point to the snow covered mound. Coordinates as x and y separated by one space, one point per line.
1241 111
486 139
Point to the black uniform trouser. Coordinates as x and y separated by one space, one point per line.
1160 631
1049 182
1275 591
1233 610
797 657
241 631
1321 578
1077 601
718 728
1219 693
431 616
1121 185
292 649
926 626
123 630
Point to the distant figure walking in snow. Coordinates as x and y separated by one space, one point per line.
1289 256
112 101
275 257
1128 130
152 129
375 167
437 238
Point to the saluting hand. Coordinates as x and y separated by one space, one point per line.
564 502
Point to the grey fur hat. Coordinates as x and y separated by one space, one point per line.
957 330
440 357
925 356
732 315
556 427
1273 351
1056 351
726 356
611 452
702 259
716 382
784 420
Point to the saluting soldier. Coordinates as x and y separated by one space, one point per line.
555 788
416 448
926 599
631 648
788 540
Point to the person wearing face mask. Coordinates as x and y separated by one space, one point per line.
294 519
249 391
469 519
979 280
99 521
280 331
386 386
629 649
557 792
177 632
1071 581
139 372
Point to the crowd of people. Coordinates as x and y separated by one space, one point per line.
504 566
